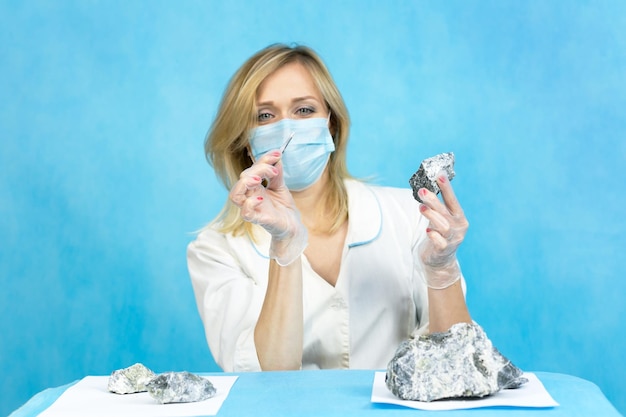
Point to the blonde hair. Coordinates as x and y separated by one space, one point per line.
226 144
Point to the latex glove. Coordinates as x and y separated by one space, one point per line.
446 231
273 207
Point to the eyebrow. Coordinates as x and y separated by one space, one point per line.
295 100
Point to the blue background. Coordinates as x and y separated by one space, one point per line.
103 180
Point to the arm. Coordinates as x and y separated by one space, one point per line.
446 231
228 296
447 307
278 334
241 308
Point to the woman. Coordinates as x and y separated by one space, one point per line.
307 268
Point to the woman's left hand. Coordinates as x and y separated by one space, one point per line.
446 231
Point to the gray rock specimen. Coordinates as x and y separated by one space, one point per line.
426 175
461 362
130 380
180 387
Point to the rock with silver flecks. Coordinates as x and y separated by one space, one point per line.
180 387
426 175
130 380
461 362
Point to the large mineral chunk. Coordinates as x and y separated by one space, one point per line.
461 362
426 174
130 380
180 387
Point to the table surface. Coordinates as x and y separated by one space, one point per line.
348 392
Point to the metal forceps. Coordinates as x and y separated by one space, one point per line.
282 148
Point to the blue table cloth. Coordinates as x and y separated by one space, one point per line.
347 393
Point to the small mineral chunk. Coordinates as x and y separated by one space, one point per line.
180 387
461 362
426 175
130 380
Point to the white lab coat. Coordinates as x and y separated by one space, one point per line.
380 297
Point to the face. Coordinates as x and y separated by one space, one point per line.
289 92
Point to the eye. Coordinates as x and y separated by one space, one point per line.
264 117
305 111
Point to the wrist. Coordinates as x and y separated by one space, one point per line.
289 246
440 277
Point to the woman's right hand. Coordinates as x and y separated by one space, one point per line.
271 207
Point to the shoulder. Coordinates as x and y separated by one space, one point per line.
209 233
207 241
212 239
212 243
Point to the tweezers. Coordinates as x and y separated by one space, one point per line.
282 148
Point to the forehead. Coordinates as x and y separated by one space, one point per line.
290 80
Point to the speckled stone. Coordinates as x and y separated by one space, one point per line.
461 362
180 387
426 175
130 380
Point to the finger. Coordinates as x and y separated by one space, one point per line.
263 170
238 194
250 209
431 201
276 181
438 222
260 165
270 157
243 188
253 176
447 193
439 242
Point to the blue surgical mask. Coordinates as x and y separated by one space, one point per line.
306 156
